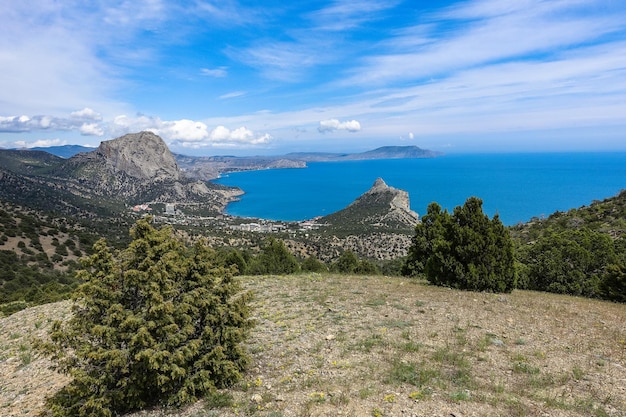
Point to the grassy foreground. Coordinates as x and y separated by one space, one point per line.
375 346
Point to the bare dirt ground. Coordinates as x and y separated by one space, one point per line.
331 345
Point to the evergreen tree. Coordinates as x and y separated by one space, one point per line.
158 323
464 250
312 264
231 257
346 263
367 267
430 233
274 258
568 261
613 285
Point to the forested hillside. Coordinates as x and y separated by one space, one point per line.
580 252
607 216
39 253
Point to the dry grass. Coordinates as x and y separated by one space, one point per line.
373 346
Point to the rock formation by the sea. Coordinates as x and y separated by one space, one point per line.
381 206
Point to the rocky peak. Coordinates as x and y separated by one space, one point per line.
381 205
142 155
379 186
397 199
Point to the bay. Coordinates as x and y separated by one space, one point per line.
516 186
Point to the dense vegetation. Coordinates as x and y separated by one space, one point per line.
157 323
579 252
464 250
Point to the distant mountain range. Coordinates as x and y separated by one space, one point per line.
384 152
210 167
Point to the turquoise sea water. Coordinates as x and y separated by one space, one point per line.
516 186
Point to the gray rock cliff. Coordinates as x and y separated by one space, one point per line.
141 155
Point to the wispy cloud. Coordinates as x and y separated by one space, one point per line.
226 12
232 94
313 39
344 15
482 33
220 72
58 55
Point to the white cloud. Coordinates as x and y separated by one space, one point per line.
224 12
13 124
86 114
222 136
26 123
183 130
331 125
91 129
42 143
241 134
189 133
220 72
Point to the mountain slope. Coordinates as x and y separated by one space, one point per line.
606 216
129 170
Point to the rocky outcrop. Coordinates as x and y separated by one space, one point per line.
139 167
141 155
382 207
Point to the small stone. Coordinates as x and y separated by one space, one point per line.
330 337
497 342
257 399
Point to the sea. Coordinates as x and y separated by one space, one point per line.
516 186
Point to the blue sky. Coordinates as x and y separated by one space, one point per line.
236 77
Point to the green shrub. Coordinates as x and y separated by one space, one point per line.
158 323
346 263
613 286
571 261
312 264
234 257
367 267
274 259
465 250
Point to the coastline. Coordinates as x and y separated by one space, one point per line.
517 187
